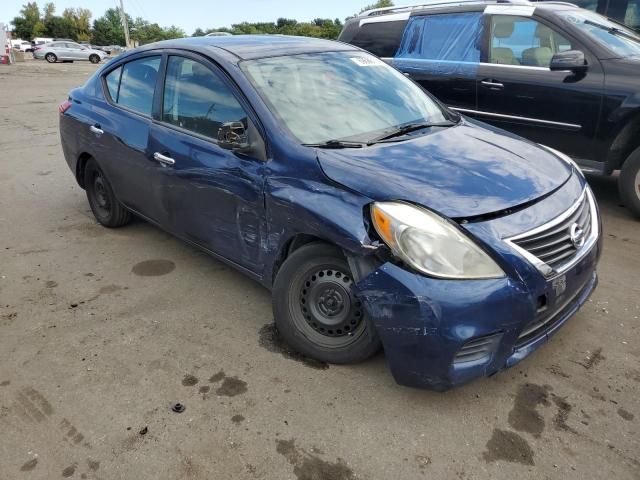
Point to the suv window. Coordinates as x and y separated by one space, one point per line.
133 84
197 100
451 37
524 41
380 38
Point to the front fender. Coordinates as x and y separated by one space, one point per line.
296 206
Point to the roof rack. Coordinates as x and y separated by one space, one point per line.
388 10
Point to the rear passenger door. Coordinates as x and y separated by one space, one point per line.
442 53
125 123
518 92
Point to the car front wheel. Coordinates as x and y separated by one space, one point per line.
104 204
629 183
51 58
316 310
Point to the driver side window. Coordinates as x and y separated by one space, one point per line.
523 41
197 100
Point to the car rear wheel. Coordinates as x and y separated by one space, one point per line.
629 183
104 204
51 57
316 310
94 58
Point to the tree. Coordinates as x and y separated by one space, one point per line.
108 30
378 4
28 24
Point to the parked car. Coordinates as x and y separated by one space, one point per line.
374 213
549 71
21 45
65 51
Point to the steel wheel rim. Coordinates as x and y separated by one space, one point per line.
636 184
326 311
101 195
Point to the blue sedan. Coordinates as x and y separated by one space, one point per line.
376 216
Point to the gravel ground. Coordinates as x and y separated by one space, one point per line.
102 331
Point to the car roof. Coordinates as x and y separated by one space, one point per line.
250 47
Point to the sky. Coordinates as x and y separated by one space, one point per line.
190 14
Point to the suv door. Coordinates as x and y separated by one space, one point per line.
214 195
518 92
125 123
442 53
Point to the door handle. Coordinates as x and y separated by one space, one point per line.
158 157
492 84
96 129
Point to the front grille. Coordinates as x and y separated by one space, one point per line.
478 348
555 246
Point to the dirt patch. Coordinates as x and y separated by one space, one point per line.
508 446
272 341
231 386
237 419
153 268
308 466
29 466
189 381
217 377
625 414
561 417
204 389
524 415
593 359
69 471
108 289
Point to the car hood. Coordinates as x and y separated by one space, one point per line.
462 171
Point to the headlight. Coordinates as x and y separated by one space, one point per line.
431 244
566 158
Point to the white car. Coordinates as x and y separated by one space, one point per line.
65 51
21 45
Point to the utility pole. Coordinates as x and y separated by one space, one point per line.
125 24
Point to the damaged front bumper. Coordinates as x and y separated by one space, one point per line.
438 334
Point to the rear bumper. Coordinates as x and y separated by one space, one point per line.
426 325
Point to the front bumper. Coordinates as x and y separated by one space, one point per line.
424 323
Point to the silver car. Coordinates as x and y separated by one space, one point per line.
63 51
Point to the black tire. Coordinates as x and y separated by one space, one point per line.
316 311
104 204
94 58
629 183
51 57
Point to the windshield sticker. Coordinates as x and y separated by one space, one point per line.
520 10
367 61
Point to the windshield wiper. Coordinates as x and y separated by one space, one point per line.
336 144
408 128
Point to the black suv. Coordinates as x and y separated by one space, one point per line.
549 71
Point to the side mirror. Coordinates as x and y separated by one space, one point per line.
572 60
233 136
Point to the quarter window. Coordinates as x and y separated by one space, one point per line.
524 41
197 99
133 84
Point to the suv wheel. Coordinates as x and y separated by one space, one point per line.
629 183
51 58
104 204
94 58
316 310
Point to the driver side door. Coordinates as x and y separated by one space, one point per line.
518 92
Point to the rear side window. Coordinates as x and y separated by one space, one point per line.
447 37
133 84
380 38
197 100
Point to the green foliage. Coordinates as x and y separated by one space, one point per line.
107 30
320 28
378 4
28 25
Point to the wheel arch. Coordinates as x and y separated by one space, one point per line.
624 144
83 158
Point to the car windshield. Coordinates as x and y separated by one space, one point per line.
621 40
340 95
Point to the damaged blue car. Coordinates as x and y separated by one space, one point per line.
377 216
